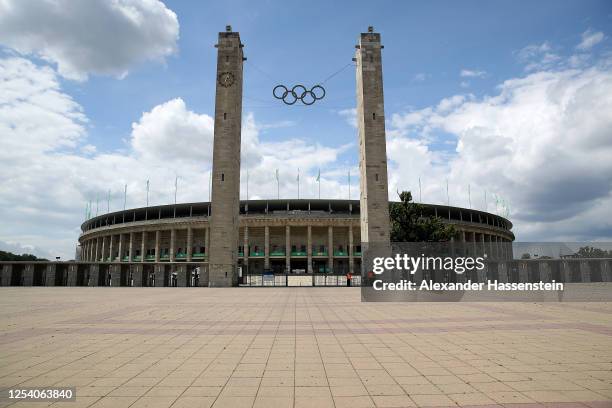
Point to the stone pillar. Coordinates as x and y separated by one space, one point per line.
374 208
245 250
143 246
181 275
482 242
585 271
491 254
330 248
97 251
103 256
223 255
157 238
523 271
131 248
606 274
502 272
50 274
5 279
71 278
137 275
309 249
120 248
115 271
287 248
266 247
207 242
159 274
544 271
110 248
189 243
172 244
93 275
565 271
350 251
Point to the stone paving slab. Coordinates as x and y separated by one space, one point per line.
300 347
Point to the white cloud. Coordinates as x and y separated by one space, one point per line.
49 170
90 37
538 57
543 143
350 115
469 73
590 39
420 77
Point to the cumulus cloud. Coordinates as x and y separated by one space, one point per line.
49 171
94 37
543 143
470 73
590 39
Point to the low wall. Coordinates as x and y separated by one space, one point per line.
182 274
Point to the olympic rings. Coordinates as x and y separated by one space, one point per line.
298 93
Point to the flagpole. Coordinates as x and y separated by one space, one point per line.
209 184
147 193
97 204
469 197
108 202
298 180
420 194
124 196
349 183
486 206
175 189
447 196
319 181
247 181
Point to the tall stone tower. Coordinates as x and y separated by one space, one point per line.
223 253
372 145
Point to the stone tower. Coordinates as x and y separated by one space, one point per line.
372 145
223 253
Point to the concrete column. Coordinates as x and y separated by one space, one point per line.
92 247
287 248
374 209
159 273
110 248
50 274
330 247
482 242
606 274
544 271
309 249
137 275
72 275
474 253
172 244
143 247
103 255
5 279
266 247
206 242
157 239
585 271
566 271
181 275
491 254
350 251
120 247
502 272
245 250
131 247
189 243
225 205
523 271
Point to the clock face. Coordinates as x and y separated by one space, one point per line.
226 79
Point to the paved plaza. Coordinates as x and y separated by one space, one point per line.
300 347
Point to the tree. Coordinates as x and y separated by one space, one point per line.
592 252
409 224
525 256
9 256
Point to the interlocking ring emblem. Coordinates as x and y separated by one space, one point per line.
298 93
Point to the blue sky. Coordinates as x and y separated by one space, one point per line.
304 42
512 98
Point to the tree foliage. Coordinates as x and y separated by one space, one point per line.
591 252
9 256
409 223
